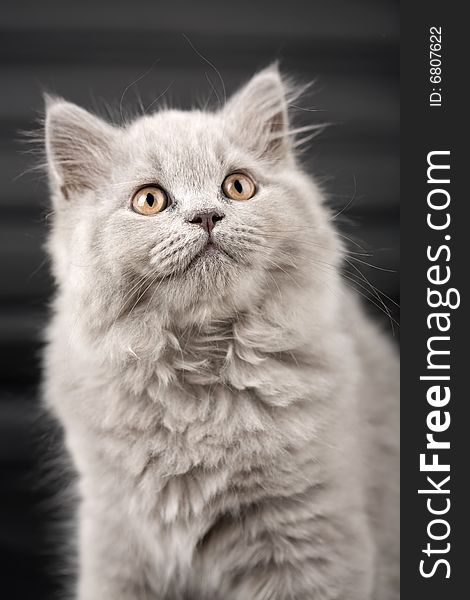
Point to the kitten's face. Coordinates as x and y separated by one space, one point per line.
185 209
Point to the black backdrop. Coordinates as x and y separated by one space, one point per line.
91 51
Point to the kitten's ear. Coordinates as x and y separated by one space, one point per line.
78 146
259 115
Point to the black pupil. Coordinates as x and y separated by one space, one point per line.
150 199
238 186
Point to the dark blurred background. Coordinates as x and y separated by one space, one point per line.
90 52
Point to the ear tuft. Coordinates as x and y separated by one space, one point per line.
259 113
78 145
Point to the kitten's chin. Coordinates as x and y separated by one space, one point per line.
210 260
211 267
212 275
212 252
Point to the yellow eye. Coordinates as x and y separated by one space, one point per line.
239 186
149 200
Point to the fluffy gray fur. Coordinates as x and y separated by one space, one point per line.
232 416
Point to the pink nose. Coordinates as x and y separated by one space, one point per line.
206 220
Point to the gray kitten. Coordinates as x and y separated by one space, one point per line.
230 410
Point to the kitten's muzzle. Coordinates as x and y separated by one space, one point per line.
207 220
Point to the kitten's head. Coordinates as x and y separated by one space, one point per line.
185 210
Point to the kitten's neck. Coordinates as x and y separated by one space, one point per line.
199 346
